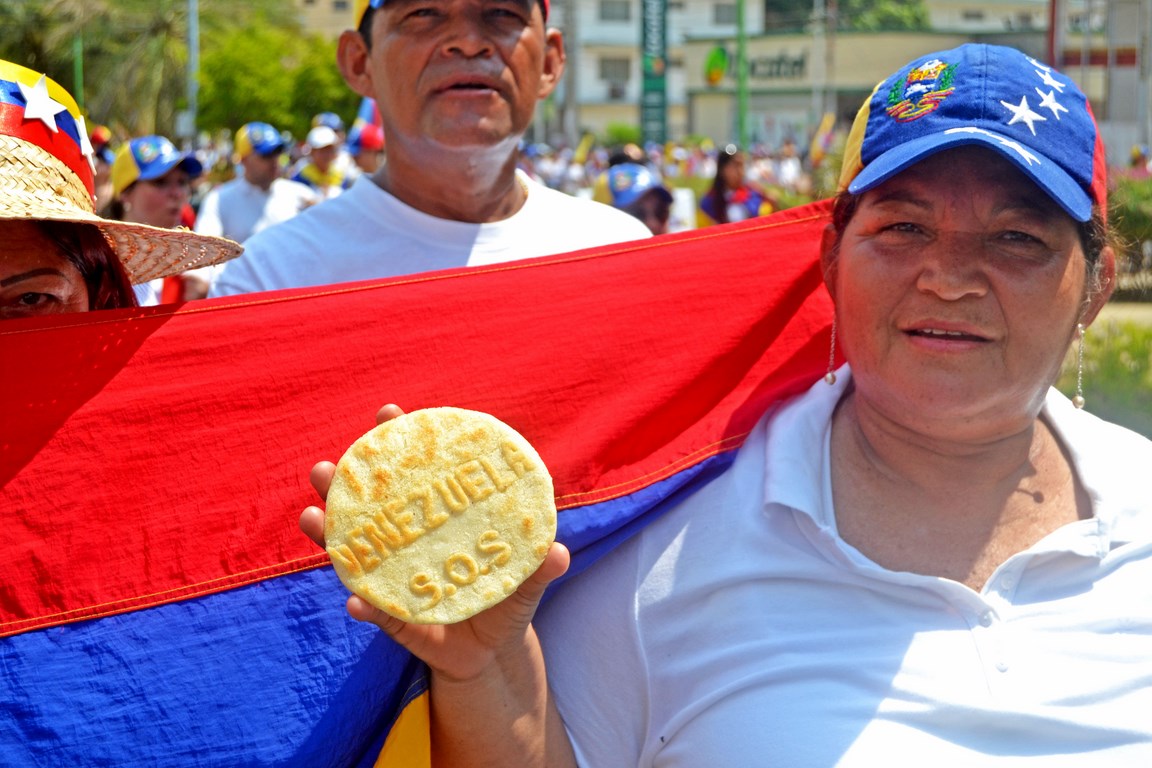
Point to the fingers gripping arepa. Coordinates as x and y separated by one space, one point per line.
439 514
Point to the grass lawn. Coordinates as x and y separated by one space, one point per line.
1117 366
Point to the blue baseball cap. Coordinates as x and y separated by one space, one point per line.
328 120
628 182
147 158
987 95
260 138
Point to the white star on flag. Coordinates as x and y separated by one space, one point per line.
1048 101
1051 82
39 105
1022 113
85 142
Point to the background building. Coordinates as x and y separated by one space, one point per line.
795 77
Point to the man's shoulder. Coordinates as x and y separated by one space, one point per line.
580 214
347 215
290 187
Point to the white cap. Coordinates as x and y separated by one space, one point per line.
321 136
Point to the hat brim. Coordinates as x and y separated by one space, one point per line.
147 253
1045 173
37 186
188 163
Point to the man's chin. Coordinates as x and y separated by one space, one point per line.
474 139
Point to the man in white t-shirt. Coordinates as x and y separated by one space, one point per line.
456 86
260 197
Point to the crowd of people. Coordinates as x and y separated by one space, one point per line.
734 184
931 556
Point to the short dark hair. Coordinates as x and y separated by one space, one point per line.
365 28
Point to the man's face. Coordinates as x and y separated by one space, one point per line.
261 170
654 209
460 73
322 157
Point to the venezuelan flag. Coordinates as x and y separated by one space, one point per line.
367 114
158 605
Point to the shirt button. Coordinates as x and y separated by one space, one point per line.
1002 666
986 619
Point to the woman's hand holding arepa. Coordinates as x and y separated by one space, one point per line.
478 665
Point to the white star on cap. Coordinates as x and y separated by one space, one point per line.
85 142
1048 101
39 105
1012 145
1050 81
1035 63
1022 113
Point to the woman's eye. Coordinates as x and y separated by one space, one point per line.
34 299
1017 236
901 227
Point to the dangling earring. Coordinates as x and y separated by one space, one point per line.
830 377
1078 400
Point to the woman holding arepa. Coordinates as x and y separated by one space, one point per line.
56 254
932 557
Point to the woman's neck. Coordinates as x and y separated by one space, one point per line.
950 508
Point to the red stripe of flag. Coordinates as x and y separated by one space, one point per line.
155 454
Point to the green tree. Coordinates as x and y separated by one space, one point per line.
274 75
135 52
882 14
794 15
248 76
319 87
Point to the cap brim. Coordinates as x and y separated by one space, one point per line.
1046 174
188 163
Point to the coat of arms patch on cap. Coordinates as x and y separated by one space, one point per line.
921 91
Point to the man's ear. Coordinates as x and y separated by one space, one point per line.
1100 294
554 59
352 57
828 259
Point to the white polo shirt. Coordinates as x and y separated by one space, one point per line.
367 234
239 209
741 630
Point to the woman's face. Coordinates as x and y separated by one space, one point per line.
958 287
734 172
35 278
158 202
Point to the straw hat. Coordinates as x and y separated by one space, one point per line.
46 175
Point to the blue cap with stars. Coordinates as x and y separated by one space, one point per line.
628 182
987 95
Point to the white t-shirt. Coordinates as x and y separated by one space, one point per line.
367 234
239 209
740 629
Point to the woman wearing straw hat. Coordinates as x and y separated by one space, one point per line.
58 255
